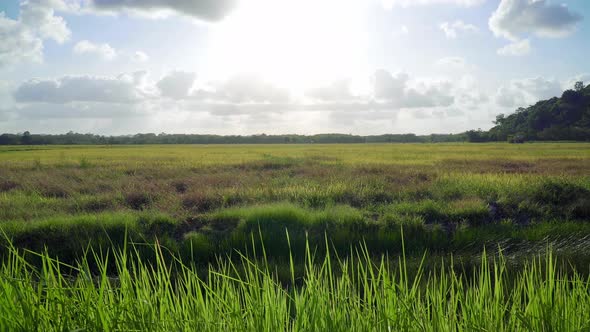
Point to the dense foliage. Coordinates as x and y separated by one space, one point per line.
565 118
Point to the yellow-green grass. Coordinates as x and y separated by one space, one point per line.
153 238
437 190
199 155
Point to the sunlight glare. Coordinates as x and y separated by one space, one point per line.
295 44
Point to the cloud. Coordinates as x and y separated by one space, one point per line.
105 51
452 29
446 113
514 18
176 84
569 83
248 88
454 62
517 48
454 66
222 108
539 87
407 3
134 94
77 110
389 87
438 94
5 95
19 44
208 10
468 93
22 39
472 99
523 92
397 90
336 91
39 15
140 56
87 97
400 31
243 104
508 97
122 89
246 94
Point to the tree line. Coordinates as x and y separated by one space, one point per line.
72 138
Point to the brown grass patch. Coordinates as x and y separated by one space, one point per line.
8 185
201 202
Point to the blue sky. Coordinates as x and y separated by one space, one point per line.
283 66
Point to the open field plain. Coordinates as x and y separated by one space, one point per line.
251 225
62 196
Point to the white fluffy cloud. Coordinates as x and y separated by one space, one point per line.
514 18
83 96
208 10
78 110
107 52
523 92
248 88
176 84
39 15
18 43
453 29
397 90
539 87
388 93
517 48
104 50
247 94
22 39
140 56
338 90
238 103
510 97
122 89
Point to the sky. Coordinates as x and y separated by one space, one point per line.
283 66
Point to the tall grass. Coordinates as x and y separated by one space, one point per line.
358 293
67 214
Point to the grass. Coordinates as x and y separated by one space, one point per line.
353 192
193 237
358 293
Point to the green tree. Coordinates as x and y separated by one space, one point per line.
26 139
500 118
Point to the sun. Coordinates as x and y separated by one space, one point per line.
293 43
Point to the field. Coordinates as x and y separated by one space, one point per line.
296 237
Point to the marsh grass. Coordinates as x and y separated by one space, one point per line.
356 293
75 203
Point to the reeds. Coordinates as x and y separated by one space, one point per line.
357 293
